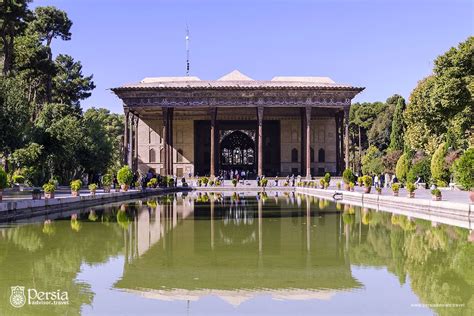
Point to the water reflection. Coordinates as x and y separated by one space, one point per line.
237 247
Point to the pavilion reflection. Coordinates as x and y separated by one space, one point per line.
236 247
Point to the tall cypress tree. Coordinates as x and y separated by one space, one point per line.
398 126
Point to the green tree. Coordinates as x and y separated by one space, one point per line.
50 23
439 172
403 165
13 16
464 169
398 127
69 84
372 161
14 115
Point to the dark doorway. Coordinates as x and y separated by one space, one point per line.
236 146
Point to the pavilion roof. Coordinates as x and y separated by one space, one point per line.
236 80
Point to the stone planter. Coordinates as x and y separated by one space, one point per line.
93 193
395 193
49 195
411 195
367 189
123 187
75 193
347 187
436 198
106 188
379 192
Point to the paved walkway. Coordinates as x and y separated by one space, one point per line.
448 195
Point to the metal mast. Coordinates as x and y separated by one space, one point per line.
187 50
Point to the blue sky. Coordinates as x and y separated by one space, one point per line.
386 46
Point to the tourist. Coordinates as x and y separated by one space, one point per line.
376 181
387 180
242 174
276 181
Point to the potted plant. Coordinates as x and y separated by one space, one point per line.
107 182
395 188
211 183
19 180
75 187
234 182
347 177
351 186
36 194
125 178
322 183
49 189
367 181
218 183
199 182
360 181
205 181
264 182
3 182
93 188
379 190
436 195
411 189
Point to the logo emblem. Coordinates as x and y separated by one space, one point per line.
17 298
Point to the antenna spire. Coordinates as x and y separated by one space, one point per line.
187 50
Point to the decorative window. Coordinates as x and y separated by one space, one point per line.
321 155
294 155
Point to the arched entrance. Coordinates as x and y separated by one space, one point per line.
237 150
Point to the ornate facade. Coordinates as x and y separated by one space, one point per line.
287 125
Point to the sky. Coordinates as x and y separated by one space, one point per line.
386 46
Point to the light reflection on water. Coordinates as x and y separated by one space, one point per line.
239 254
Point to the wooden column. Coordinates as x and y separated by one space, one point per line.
125 139
260 140
135 158
308 142
346 136
130 141
165 141
170 141
213 114
338 136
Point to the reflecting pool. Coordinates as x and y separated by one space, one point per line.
237 254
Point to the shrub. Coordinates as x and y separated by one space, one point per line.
125 176
3 179
438 164
199 182
264 182
367 180
234 182
395 187
360 180
436 192
152 183
351 185
211 183
107 180
441 184
420 169
18 178
205 180
411 187
322 182
348 176
403 165
49 187
93 187
464 169
327 178
76 185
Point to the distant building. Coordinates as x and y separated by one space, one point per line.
287 125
